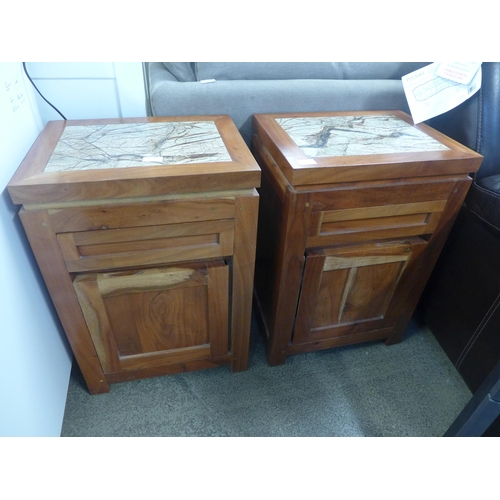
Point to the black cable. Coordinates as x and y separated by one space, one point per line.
29 78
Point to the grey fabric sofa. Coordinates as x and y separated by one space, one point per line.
241 89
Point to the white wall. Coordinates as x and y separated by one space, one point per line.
89 90
35 360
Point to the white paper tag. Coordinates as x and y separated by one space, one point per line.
429 94
307 161
210 80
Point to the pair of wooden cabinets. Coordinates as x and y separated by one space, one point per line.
145 231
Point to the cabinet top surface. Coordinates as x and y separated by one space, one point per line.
320 136
330 147
123 145
83 160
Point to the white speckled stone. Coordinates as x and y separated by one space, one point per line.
356 135
137 144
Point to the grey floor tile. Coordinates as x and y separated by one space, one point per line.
408 389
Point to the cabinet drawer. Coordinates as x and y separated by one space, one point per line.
357 224
376 212
147 245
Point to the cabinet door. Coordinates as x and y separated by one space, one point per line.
146 319
348 290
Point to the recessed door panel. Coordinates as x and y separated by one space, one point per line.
349 290
145 318
355 294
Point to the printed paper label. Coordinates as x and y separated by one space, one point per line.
429 94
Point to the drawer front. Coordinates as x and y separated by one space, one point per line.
144 319
391 211
366 223
145 246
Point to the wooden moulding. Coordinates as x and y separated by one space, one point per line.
31 184
288 156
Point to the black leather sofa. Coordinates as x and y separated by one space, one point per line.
461 303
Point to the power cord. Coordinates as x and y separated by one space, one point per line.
32 83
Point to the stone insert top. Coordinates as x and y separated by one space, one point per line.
87 147
356 135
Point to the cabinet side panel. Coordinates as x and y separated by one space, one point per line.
271 220
48 255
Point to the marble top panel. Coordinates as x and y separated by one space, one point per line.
87 147
356 135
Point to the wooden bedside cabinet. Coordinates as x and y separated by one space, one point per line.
144 231
354 210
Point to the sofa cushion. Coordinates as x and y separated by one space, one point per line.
303 70
244 98
183 71
484 200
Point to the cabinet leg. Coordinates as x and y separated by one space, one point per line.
276 357
245 240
